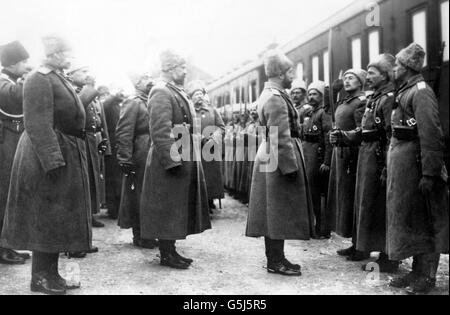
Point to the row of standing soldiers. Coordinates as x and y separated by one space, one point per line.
375 174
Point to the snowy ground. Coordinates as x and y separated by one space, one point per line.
226 263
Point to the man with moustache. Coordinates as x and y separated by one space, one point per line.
341 191
317 150
132 145
280 205
299 97
48 205
374 136
174 201
417 198
14 61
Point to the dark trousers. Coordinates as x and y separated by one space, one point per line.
44 263
426 265
274 250
166 246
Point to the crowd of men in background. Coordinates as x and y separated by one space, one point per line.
369 168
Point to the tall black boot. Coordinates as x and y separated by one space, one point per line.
276 261
406 280
426 281
169 257
42 279
54 271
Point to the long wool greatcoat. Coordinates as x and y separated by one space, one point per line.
95 133
133 144
174 198
317 151
113 174
213 176
45 214
417 224
279 208
370 194
11 127
341 189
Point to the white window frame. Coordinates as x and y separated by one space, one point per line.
300 72
445 27
419 30
326 67
374 44
356 47
315 68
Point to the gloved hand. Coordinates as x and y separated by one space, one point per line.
55 173
103 146
383 177
127 168
426 185
336 137
324 169
291 177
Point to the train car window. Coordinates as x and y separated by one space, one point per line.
356 53
419 29
315 68
300 71
444 27
374 44
237 92
253 91
326 67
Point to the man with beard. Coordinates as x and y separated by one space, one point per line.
211 141
133 144
48 205
280 206
14 60
341 191
174 201
374 135
417 198
317 150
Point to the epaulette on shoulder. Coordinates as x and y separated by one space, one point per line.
275 92
421 85
160 84
362 98
391 94
44 70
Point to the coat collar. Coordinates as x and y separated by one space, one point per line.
385 89
273 85
5 74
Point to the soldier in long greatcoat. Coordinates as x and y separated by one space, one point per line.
14 60
317 150
280 203
341 192
374 136
132 145
212 139
48 209
417 190
174 201
96 136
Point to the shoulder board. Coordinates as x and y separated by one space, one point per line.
362 98
391 94
160 84
421 85
275 92
44 70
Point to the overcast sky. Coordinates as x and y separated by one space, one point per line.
119 36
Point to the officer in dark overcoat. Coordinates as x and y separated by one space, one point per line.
417 191
14 60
